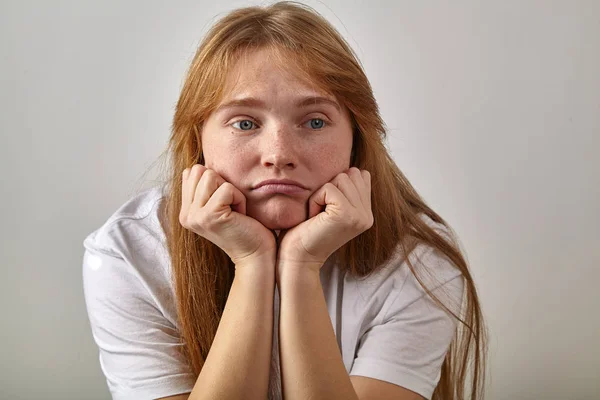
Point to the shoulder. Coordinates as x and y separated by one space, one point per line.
133 226
127 255
394 285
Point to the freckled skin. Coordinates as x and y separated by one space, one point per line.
281 143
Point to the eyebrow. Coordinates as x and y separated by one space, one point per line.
257 103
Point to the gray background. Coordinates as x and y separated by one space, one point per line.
493 112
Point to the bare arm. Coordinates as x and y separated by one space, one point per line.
237 365
311 362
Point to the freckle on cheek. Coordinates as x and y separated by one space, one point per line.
329 155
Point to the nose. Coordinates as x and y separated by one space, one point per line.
280 148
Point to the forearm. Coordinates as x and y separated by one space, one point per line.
237 365
311 363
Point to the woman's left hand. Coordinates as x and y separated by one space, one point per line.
347 214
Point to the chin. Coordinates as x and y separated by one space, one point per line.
278 213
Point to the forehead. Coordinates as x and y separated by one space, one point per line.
257 70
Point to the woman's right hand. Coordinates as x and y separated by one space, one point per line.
216 210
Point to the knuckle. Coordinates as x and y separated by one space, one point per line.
183 219
198 170
212 176
227 186
207 174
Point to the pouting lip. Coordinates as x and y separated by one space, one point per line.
280 182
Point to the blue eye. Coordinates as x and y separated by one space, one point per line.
246 124
319 125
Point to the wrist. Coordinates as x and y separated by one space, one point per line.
297 272
256 266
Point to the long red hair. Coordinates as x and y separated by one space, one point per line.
202 272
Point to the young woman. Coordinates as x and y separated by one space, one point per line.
286 256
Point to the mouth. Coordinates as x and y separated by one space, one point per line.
280 188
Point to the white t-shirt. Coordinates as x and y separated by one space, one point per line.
386 326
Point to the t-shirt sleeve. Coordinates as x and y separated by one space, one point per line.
138 347
408 347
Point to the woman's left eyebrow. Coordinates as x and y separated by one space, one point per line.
257 103
314 100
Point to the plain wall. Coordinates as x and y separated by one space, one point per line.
493 113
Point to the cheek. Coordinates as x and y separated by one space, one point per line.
230 161
330 159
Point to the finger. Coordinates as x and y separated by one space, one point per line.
357 177
184 193
238 202
362 181
326 195
193 178
190 181
366 175
347 186
227 195
208 184
316 202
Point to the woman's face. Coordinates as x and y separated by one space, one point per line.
272 125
